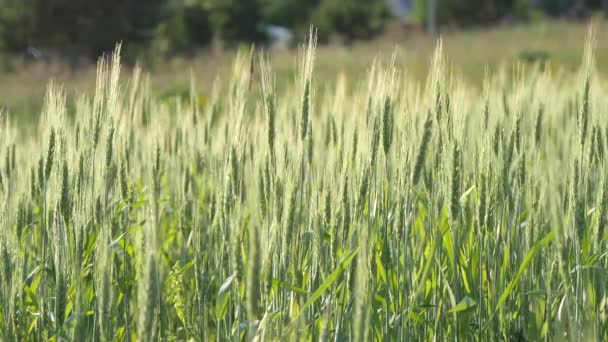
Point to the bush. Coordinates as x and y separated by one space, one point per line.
557 7
294 14
470 13
356 19
16 19
235 20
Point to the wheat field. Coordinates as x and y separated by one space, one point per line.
380 208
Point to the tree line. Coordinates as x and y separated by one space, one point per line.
91 27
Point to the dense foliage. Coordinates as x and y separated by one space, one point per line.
90 27
384 210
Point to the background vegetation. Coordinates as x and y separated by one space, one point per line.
169 26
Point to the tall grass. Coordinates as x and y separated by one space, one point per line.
379 209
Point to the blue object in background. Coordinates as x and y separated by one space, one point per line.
401 8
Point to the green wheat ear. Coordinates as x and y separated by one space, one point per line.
66 201
375 140
364 185
422 150
48 167
539 125
455 183
603 211
110 147
354 146
309 144
387 124
124 182
305 111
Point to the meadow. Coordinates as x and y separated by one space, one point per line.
367 207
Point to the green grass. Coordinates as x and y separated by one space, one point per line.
372 206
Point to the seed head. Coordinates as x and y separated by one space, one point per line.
387 125
124 185
66 201
109 147
305 111
426 138
375 140
584 111
538 127
456 172
50 156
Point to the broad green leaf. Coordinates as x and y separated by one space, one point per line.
524 265
465 304
280 283
464 196
325 285
380 269
31 295
29 280
221 302
116 242
32 326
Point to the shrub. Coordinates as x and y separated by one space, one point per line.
356 19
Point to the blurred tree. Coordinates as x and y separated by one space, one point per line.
472 12
197 23
94 26
355 19
294 14
186 26
557 7
143 18
234 20
98 25
596 4
17 23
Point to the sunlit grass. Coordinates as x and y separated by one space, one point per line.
376 206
